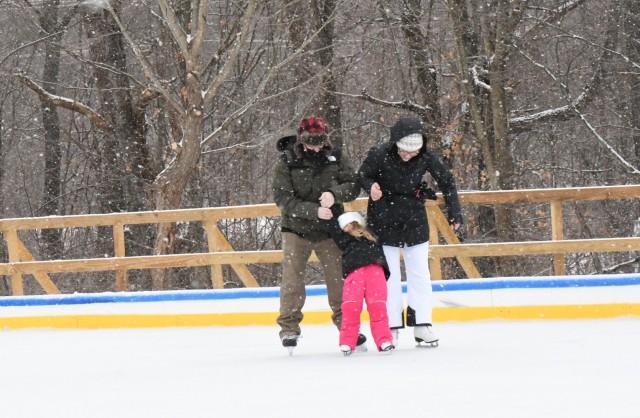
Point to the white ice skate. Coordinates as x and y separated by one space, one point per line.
424 336
386 348
346 350
395 333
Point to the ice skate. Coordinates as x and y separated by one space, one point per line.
346 350
395 333
289 342
361 344
424 336
386 348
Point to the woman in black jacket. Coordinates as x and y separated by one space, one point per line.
393 175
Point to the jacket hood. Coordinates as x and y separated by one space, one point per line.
291 142
285 142
406 126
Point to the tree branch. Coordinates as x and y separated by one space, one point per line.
572 109
173 24
213 89
403 104
200 28
66 103
146 65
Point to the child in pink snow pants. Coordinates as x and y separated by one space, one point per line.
366 273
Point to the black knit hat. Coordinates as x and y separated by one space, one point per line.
403 127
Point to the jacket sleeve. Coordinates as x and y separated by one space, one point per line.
367 171
347 188
447 184
285 197
337 234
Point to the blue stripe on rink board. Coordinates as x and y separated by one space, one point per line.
538 283
316 290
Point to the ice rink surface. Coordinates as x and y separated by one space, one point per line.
545 368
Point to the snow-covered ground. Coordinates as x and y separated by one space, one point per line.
545 368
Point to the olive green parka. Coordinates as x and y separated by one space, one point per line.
300 178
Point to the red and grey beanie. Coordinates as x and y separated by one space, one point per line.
313 131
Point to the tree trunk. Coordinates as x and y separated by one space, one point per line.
490 117
631 13
467 46
170 184
5 288
51 238
124 152
124 166
631 26
327 102
418 46
318 56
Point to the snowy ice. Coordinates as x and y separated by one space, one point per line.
546 368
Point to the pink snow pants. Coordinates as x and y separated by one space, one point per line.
365 284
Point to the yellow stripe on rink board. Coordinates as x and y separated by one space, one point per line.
589 311
87 321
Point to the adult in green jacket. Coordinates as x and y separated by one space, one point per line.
312 180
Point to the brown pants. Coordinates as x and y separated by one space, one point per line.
296 252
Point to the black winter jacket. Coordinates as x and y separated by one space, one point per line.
357 252
399 218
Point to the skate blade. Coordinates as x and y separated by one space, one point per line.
347 353
424 344
290 350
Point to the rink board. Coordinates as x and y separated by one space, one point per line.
567 297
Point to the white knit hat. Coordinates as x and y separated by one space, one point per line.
410 143
348 217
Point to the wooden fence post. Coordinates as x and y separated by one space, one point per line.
557 234
217 281
13 246
119 251
435 266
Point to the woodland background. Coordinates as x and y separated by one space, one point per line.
148 105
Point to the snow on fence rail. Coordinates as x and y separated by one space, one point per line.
21 261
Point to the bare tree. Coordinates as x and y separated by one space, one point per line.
178 104
53 23
631 21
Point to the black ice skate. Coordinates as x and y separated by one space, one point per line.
361 344
290 342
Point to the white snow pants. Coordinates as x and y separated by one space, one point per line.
419 292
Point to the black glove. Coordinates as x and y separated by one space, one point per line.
461 233
424 193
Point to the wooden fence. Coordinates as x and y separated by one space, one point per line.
21 261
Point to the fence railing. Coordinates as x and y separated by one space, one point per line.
220 252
